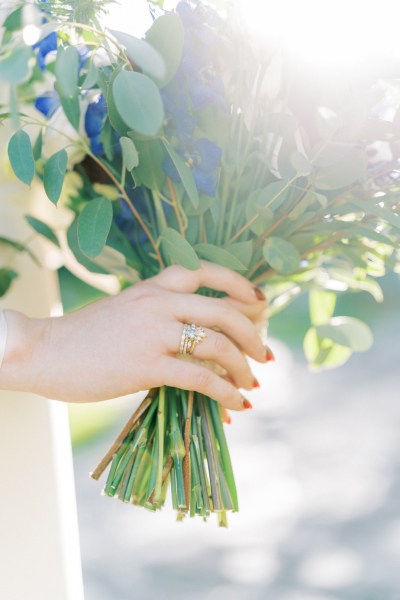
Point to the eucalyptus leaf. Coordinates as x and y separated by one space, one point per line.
138 102
20 154
281 255
178 250
91 75
53 175
347 331
322 306
73 244
185 174
142 54
15 66
6 278
43 229
67 71
94 223
323 353
71 108
129 153
349 168
220 256
164 29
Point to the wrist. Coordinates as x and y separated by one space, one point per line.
25 337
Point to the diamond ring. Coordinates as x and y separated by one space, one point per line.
191 336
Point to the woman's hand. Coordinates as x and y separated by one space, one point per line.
130 342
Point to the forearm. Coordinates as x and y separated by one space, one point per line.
21 368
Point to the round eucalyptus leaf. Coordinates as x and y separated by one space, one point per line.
94 223
347 331
67 71
53 175
164 29
21 156
142 54
138 102
281 255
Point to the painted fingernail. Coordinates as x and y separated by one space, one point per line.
227 420
269 354
259 294
256 384
247 403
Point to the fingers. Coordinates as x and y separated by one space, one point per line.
210 275
215 313
218 348
190 376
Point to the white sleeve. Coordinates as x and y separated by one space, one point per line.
3 336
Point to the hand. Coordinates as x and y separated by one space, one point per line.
130 342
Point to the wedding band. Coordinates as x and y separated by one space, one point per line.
191 336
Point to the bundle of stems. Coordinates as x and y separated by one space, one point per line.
174 438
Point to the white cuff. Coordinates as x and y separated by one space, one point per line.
3 336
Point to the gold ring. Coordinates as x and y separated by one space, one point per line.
191 336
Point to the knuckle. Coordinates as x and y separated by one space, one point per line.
221 344
204 379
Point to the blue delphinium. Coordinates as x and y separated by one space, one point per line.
94 120
203 157
44 47
197 85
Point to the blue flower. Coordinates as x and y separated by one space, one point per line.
44 47
94 120
48 103
203 157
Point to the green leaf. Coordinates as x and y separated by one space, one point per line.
261 217
67 71
37 146
281 255
164 29
94 223
19 247
71 108
138 102
243 251
14 20
142 54
73 243
185 174
42 229
129 153
91 75
220 256
347 331
322 306
149 171
6 279
274 195
349 168
54 173
178 250
21 156
323 353
15 66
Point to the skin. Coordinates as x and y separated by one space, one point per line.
129 342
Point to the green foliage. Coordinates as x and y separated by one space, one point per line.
141 54
178 250
129 153
6 278
166 28
138 102
21 156
94 224
43 229
54 173
185 174
15 66
281 255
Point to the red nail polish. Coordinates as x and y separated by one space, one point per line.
227 420
259 294
247 403
256 384
269 355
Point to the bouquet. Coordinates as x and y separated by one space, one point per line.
194 143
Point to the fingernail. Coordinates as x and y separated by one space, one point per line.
247 403
256 384
259 294
227 420
269 354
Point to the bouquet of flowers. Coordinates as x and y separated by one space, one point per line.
193 143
